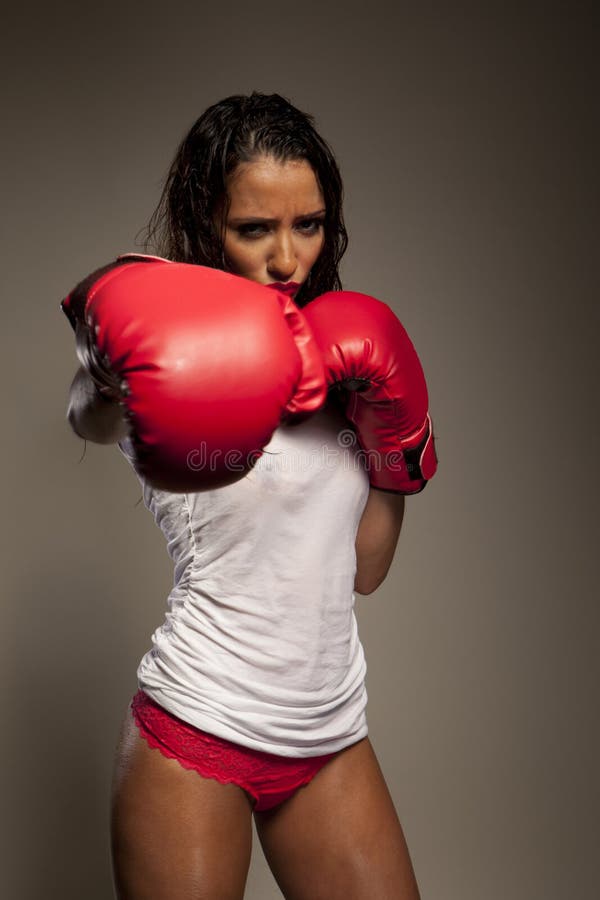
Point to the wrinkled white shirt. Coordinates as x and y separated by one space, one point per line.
260 642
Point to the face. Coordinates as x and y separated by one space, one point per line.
274 231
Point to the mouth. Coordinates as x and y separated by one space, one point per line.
291 288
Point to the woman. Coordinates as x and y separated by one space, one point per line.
264 715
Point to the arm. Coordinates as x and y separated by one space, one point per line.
376 538
93 415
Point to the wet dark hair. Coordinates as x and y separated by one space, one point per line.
239 129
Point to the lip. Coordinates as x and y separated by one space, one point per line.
290 288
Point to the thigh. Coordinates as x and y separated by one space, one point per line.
175 835
339 837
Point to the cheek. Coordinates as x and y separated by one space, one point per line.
241 257
317 249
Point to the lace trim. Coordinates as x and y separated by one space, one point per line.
193 767
217 758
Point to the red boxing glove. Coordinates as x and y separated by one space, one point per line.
206 365
368 353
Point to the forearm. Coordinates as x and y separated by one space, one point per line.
93 416
377 537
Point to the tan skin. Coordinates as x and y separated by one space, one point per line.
178 836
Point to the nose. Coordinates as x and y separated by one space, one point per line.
282 262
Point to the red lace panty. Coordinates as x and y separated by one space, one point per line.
268 778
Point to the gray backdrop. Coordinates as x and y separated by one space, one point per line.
466 141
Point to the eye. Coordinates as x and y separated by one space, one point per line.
311 226
250 230
256 230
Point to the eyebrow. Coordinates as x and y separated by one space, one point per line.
260 221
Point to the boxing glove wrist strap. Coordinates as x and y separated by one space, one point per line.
395 462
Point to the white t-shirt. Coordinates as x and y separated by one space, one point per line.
260 642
